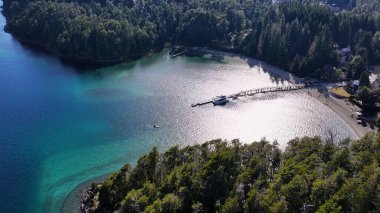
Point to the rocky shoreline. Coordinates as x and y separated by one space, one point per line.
87 204
81 198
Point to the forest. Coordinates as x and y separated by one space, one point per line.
310 175
299 36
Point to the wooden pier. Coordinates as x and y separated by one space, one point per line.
178 54
257 91
201 103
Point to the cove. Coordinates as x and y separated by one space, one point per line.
61 126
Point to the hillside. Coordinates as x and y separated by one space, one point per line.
310 175
299 37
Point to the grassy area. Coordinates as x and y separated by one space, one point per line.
340 91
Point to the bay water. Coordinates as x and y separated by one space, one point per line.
61 125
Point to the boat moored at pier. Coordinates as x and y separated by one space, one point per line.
220 100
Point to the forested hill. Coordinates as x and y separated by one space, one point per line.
311 175
299 37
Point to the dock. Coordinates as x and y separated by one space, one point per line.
178 54
201 103
257 91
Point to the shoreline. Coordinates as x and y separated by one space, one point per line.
343 109
265 67
75 60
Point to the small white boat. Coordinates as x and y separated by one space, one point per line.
156 126
220 100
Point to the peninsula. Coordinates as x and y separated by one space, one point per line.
311 175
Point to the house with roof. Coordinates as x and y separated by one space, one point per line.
353 86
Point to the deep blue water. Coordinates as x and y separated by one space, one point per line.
61 126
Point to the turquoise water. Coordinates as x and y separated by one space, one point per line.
61 126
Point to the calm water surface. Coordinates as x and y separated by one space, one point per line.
61 126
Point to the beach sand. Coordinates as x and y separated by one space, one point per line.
344 109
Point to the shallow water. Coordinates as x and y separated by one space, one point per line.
61 126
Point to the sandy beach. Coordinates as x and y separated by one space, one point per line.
344 109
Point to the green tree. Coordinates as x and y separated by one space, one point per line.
321 51
364 80
171 203
367 98
377 122
357 66
376 46
295 192
363 44
231 205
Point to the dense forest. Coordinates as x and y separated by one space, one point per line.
310 175
299 36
